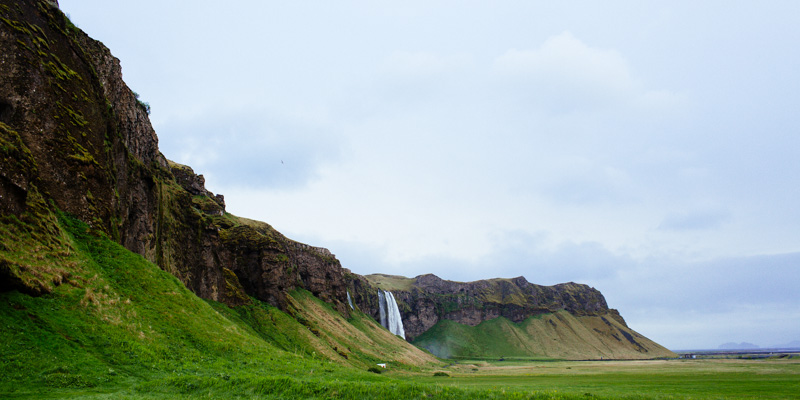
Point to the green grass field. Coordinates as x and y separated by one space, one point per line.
680 379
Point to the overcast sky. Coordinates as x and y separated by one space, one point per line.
648 149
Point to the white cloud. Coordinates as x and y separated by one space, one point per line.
420 64
565 74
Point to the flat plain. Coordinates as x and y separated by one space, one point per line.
777 378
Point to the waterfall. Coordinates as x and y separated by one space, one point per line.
350 300
393 316
390 313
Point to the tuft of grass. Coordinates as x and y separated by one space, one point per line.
143 105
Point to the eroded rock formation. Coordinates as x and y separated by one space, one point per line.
428 299
74 133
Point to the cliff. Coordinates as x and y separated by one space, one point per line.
428 299
75 138
506 317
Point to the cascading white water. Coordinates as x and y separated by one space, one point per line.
390 313
350 300
393 316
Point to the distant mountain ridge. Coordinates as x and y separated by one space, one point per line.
795 344
738 346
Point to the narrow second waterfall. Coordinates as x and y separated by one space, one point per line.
350 300
390 313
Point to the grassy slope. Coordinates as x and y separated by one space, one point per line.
117 321
551 336
313 329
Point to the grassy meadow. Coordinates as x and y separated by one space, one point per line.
658 379
113 326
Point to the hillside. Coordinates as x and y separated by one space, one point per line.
119 269
558 335
498 318
118 321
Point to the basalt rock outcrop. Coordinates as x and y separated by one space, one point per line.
506 317
428 299
74 138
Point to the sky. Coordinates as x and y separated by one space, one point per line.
648 149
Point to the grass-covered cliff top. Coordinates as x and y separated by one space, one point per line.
508 291
390 282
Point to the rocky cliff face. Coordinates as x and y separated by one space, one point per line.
428 299
76 139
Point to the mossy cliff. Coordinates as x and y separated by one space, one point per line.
75 138
428 299
496 317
